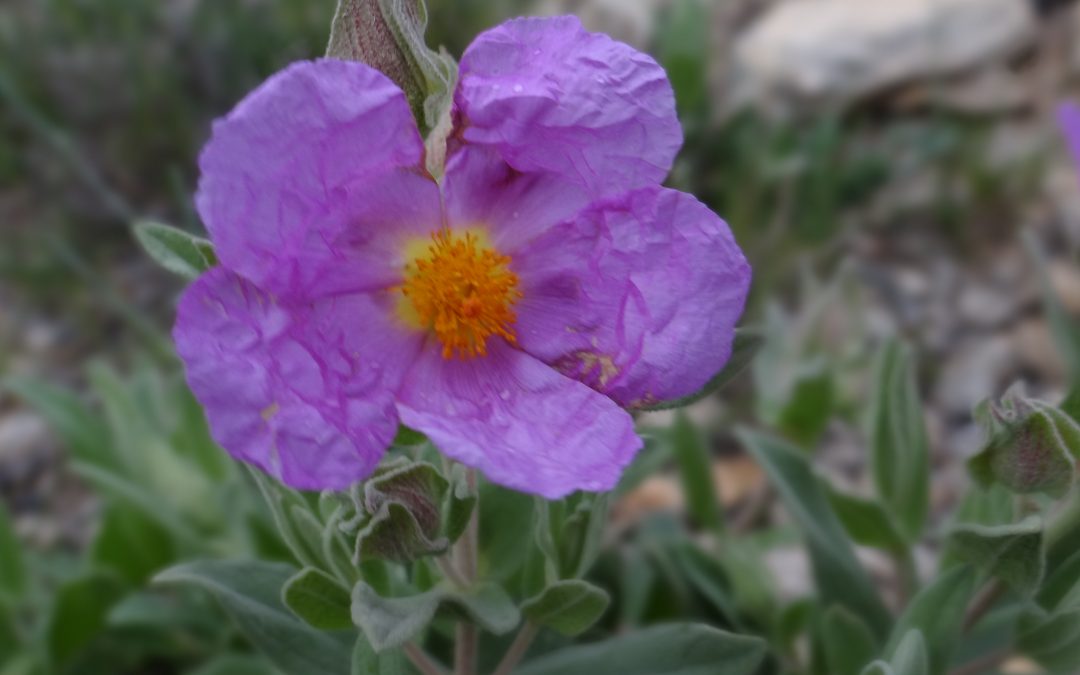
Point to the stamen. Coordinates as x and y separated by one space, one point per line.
463 291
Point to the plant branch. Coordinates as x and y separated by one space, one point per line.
517 649
465 562
450 571
983 603
424 663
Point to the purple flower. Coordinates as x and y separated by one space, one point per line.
512 311
1069 118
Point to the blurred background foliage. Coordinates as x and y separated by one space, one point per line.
891 213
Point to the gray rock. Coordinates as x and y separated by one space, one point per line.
838 51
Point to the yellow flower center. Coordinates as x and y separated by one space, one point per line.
462 289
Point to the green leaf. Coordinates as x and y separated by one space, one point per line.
250 592
131 544
868 523
849 644
285 503
1051 639
1012 553
392 622
459 505
806 413
840 579
235 664
82 430
910 657
394 534
176 250
745 346
1062 327
318 599
79 612
366 661
938 612
12 565
675 649
900 450
388 35
506 530
569 607
1032 447
695 469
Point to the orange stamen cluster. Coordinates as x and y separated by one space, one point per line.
463 291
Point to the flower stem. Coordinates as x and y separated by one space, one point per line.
465 556
424 663
517 649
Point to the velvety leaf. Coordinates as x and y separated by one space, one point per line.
866 521
1051 639
394 534
131 544
389 36
899 447
82 430
79 611
390 622
284 504
250 592
745 346
840 579
1032 447
235 664
808 409
1012 553
176 250
409 437
711 578
1064 330
318 599
910 657
418 486
459 505
506 531
675 649
366 661
938 612
569 607
849 644
1061 590
12 565
693 459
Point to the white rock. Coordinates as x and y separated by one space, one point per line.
841 50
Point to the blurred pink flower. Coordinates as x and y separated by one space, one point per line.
510 311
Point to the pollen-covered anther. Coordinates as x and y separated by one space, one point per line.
463 291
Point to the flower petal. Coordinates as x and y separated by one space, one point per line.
637 296
548 95
314 162
518 421
481 190
304 393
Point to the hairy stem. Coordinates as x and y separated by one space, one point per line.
517 649
424 663
984 601
465 555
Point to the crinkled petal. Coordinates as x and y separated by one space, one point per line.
637 296
481 190
1069 117
518 421
304 393
548 95
320 159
